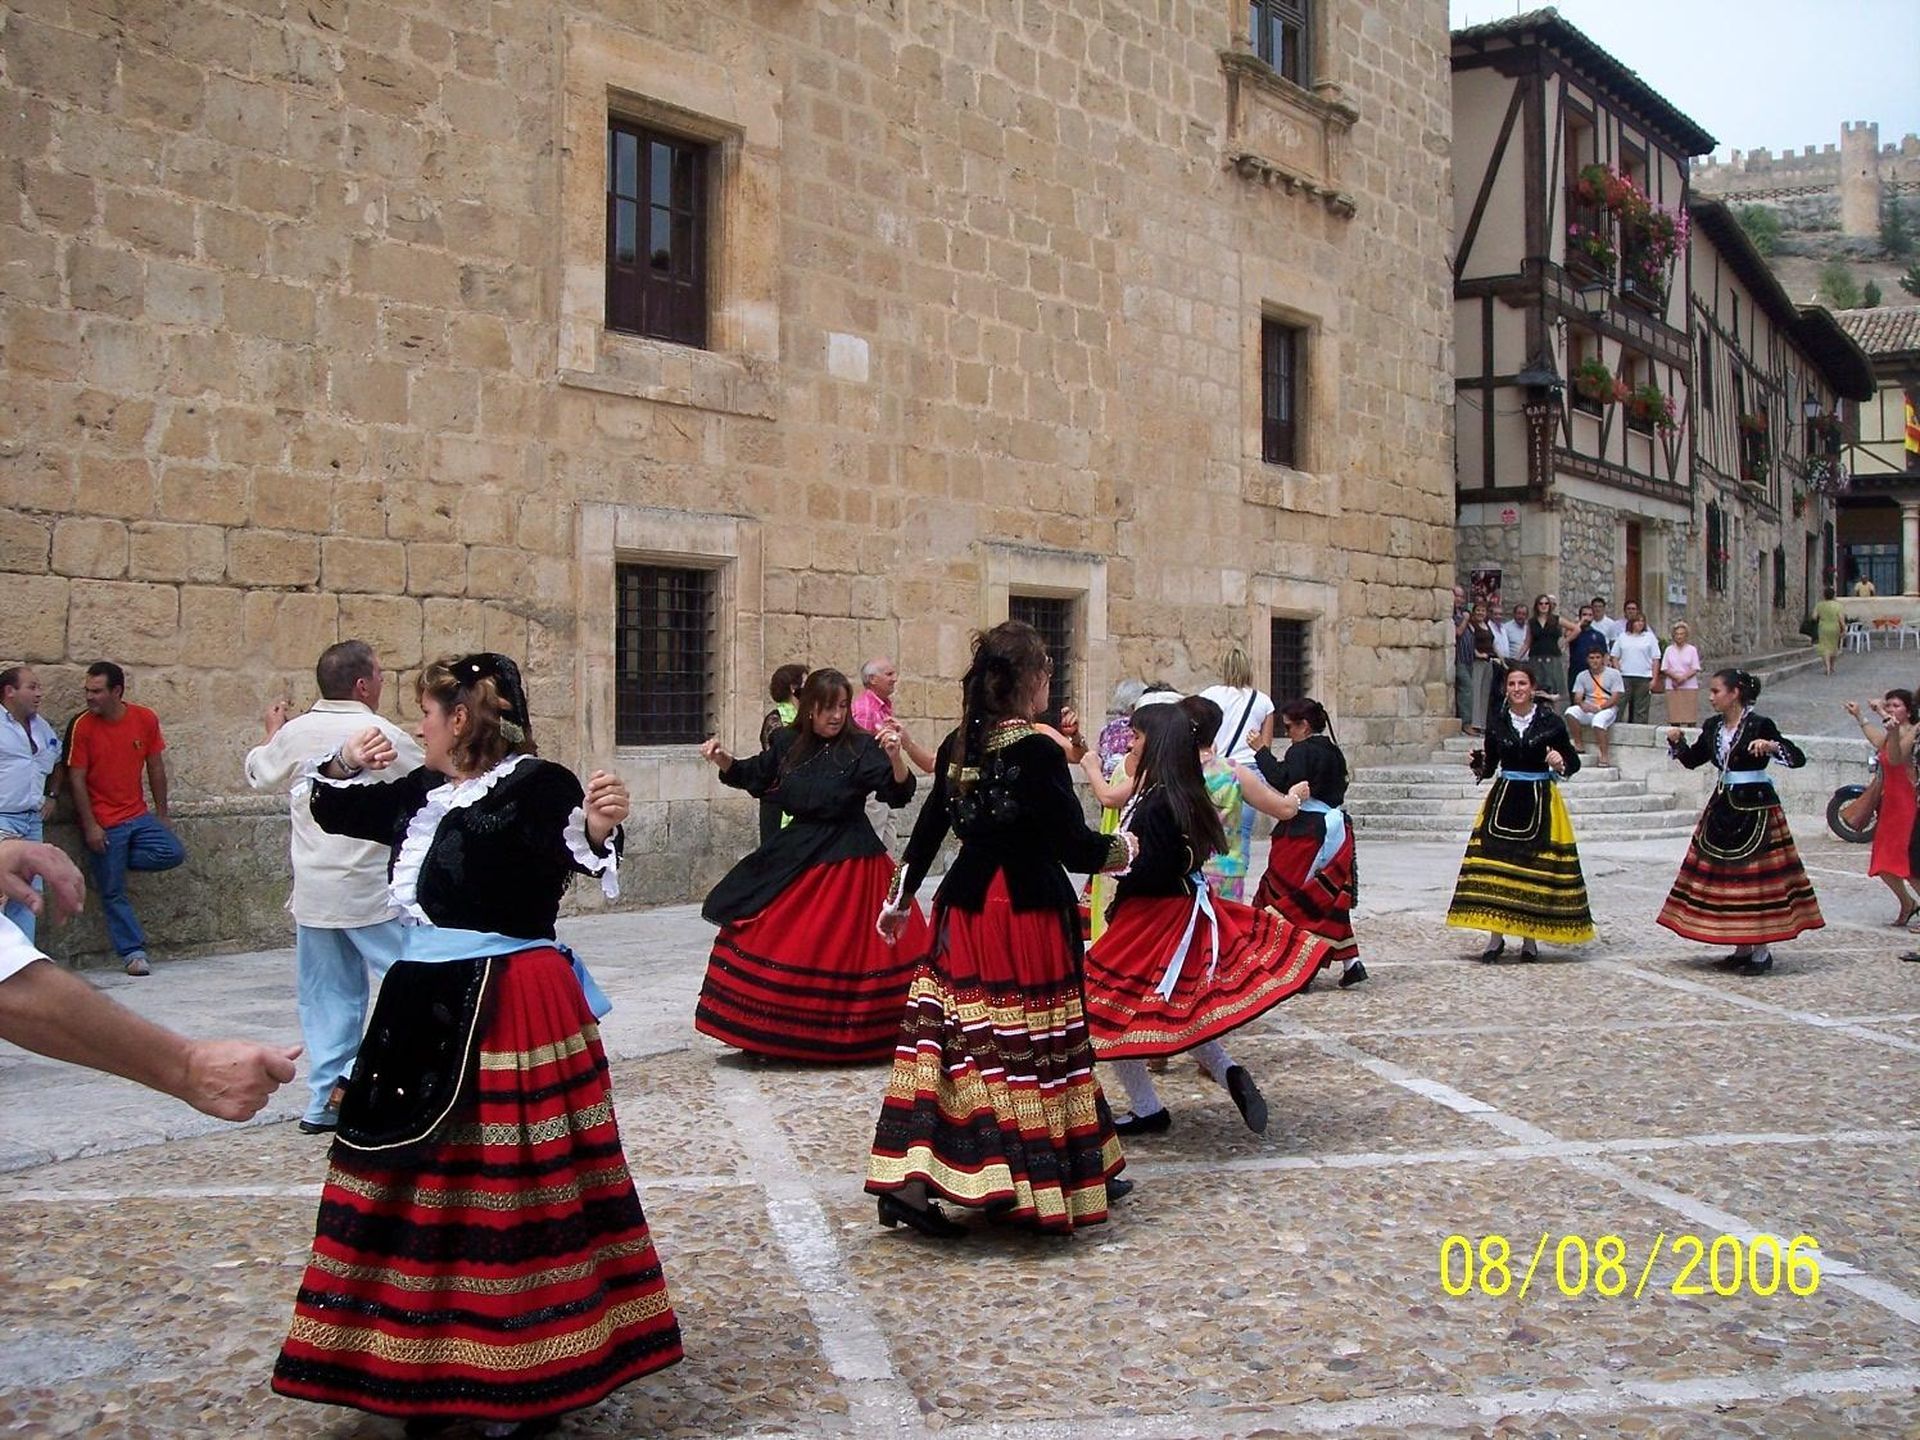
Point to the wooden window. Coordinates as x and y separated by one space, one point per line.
1052 616
1779 577
1716 548
1290 652
1282 347
656 234
664 655
1703 365
1636 371
1279 31
1584 346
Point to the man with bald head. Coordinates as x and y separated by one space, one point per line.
873 712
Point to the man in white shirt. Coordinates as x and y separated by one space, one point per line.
344 922
1608 625
53 1012
1596 703
29 749
1510 636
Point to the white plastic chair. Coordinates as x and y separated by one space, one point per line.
1857 637
1909 630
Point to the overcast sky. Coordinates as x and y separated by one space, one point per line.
1775 73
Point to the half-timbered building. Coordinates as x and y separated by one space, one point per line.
1879 520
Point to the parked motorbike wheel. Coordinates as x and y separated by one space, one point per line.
1836 822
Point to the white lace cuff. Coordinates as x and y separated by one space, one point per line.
311 772
606 866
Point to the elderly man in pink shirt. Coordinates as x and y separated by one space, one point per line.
873 712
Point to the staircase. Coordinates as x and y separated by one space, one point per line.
1439 800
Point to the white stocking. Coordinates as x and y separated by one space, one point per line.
1142 1098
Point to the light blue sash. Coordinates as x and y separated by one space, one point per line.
1745 777
1546 775
1336 834
1202 905
440 944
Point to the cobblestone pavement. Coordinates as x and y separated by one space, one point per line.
1809 701
1279 1285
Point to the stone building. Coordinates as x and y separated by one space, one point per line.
1879 518
1843 187
1632 377
659 344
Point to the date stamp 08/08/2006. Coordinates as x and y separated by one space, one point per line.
1723 1265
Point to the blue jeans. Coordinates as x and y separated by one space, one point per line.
333 967
23 825
141 843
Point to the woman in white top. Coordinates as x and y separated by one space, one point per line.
1635 655
1243 710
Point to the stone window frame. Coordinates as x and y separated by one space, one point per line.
612 74
1315 107
1287 597
1009 570
729 545
1306 306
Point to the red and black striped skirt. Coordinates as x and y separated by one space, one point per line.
809 977
1262 960
1759 897
502 1269
992 1102
1323 904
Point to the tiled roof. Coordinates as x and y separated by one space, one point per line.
1883 330
1548 28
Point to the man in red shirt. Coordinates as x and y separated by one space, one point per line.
114 743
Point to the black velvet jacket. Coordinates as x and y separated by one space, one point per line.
826 794
1165 860
1319 762
1506 748
1734 824
1705 749
1033 830
499 864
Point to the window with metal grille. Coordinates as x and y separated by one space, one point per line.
656 234
1279 31
1779 578
1052 616
663 669
1280 351
1290 645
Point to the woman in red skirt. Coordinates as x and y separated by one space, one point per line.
993 1104
797 971
1742 882
480 1252
1312 877
1892 857
1177 967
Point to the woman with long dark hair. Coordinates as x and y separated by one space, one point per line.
783 689
1312 875
1545 650
480 1252
1741 882
1178 967
797 971
993 1104
1891 734
1521 873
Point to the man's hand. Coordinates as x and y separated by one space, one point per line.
231 1079
22 860
277 715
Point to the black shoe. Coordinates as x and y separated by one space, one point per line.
1912 957
1736 958
929 1222
1353 975
1493 952
1118 1188
426 1424
1751 966
1158 1123
1246 1095
1529 952
318 1127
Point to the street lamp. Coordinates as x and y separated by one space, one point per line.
1595 297
1810 407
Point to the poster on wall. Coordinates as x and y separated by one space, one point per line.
1485 585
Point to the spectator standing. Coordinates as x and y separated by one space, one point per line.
1636 655
1463 698
345 928
1545 647
1584 639
1596 704
783 689
115 745
873 712
1680 663
1512 635
1606 624
29 750
1486 655
1864 588
1247 712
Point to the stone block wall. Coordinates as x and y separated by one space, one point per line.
298 346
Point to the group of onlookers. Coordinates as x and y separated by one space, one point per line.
1598 669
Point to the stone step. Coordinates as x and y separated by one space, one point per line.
1577 805
1458 784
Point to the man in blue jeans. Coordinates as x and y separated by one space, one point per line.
29 750
114 745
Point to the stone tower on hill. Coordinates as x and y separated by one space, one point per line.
1839 186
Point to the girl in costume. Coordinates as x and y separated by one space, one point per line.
1312 874
480 1252
797 971
993 1104
1742 882
1521 875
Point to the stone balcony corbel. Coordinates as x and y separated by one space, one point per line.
1280 133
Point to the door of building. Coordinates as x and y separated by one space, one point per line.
1630 587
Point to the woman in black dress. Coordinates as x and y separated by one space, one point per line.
1545 650
797 971
1312 875
993 1104
480 1251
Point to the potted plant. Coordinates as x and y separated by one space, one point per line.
1595 384
1651 239
1649 408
